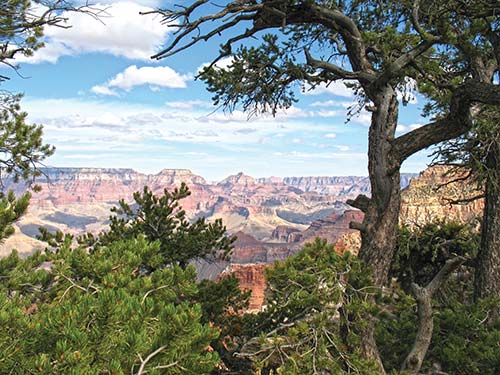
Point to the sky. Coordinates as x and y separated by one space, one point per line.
105 103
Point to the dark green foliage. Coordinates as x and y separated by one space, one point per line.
465 339
122 295
316 303
20 143
466 333
463 342
422 252
222 304
98 313
220 300
11 209
22 150
18 27
22 23
161 218
258 78
471 150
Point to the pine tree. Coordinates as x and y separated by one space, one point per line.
71 312
161 218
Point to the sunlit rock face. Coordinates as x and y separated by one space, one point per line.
431 196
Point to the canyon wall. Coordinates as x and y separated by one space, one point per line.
272 217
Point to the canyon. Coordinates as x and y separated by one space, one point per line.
272 218
78 200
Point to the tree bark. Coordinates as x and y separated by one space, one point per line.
379 229
382 213
487 276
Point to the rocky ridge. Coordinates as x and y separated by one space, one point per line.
78 199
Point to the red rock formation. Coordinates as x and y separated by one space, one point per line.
332 227
252 277
247 249
429 197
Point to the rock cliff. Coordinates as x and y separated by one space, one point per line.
431 196
426 198
85 195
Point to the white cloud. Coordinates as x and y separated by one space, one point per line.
189 104
330 135
120 30
364 118
159 76
401 128
344 148
332 103
330 113
240 116
162 76
330 155
99 121
109 118
103 90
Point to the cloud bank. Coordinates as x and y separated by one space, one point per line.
119 30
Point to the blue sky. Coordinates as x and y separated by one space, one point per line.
104 103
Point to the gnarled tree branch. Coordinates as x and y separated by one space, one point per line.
414 360
457 122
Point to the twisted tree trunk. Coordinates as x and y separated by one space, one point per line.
379 228
487 277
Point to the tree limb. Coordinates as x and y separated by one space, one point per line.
423 296
264 15
337 70
456 123
361 202
149 357
403 61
